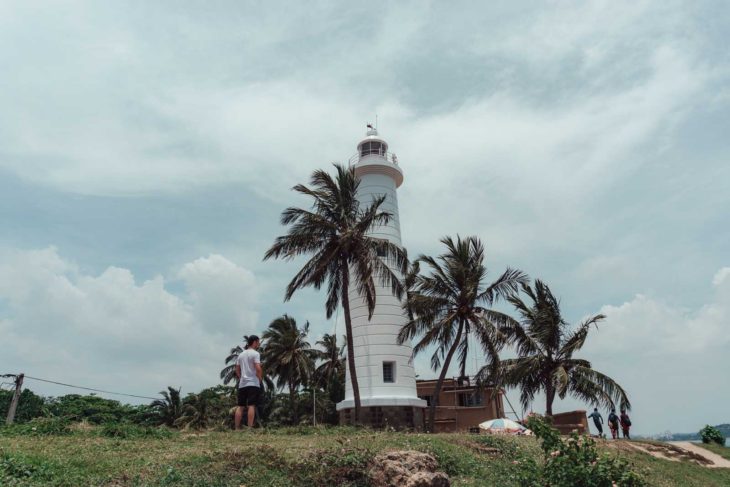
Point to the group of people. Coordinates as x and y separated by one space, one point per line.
614 421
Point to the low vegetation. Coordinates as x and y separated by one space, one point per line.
71 454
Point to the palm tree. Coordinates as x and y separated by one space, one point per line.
545 346
288 356
452 302
410 281
169 408
335 233
228 373
331 355
196 411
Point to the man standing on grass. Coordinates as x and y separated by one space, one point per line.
250 375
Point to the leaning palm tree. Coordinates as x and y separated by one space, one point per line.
451 303
545 346
288 356
169 408
331 357
335 233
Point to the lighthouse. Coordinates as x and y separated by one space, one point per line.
385 373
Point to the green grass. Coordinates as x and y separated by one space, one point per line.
115 456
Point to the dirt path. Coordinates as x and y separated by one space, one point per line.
717 460
677 451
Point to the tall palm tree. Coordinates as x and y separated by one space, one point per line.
331 357
335 233
169 408
545 346
451 303
410 281
288 356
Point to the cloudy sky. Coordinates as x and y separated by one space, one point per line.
146 152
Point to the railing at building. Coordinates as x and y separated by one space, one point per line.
388 156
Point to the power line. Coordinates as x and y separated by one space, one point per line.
91 389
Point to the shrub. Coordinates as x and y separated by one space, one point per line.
38 427
572 462
710 434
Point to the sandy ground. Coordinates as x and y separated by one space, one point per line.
717 460
677 451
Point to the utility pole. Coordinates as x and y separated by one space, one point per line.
16 397
314 392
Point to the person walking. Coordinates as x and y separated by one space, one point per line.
598 421
249 374
613 421
625 424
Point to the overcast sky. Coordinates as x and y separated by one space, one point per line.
147 150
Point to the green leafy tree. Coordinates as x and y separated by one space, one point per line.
545 345
710 434
169 408
30 405
451 303
335 234
288 356
94 409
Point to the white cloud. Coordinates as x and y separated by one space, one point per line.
110 332
668 358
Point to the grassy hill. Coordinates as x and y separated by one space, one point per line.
121 456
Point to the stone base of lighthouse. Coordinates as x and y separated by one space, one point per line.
409 418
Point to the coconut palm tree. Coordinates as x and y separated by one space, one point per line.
545 345
335 233
331 356
410 281
288 356
169 408
453 302
228 373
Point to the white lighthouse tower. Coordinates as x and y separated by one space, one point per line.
385 373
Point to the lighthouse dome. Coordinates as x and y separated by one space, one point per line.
372 144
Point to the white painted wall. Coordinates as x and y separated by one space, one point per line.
375 340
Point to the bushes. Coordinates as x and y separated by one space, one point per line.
710 434
38 427
572 462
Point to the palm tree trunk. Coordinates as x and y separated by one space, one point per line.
549 398
440 382
295 415
350 347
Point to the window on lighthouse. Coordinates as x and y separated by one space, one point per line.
373 147
389 372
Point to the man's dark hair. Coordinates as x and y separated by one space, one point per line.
595 409
250 339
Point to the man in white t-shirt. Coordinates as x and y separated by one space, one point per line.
249 374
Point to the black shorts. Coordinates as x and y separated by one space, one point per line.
249 395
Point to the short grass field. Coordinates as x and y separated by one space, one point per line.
282 457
